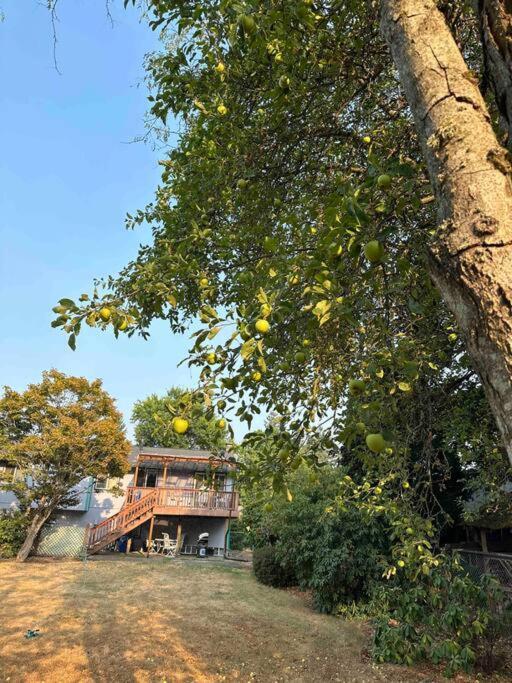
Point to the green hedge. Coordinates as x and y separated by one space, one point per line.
13 527
269 570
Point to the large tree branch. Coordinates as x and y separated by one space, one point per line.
496 30
471 258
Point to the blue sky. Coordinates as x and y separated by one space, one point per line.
68 175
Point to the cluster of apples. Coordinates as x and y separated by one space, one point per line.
180 425
375 441
106 314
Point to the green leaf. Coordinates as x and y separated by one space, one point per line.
248 348
213 332
72 341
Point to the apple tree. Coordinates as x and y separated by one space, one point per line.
295 219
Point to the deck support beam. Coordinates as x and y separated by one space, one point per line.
150 537
178 539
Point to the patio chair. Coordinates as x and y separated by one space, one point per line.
169 546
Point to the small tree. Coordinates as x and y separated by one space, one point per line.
153 417
59 432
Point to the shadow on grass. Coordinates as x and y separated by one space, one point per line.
97 621
134 620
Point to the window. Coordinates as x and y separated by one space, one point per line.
216 482
101 484
7 471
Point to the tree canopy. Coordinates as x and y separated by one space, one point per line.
57 433
153 417
293 219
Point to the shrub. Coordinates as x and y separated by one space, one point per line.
335 552
269 570
349 550
13 527
444 617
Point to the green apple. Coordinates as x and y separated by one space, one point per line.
247 23
375 442
374 251
384 181
284 83
180 425
262 326
356 386
105 313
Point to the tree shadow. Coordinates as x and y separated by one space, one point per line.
96 624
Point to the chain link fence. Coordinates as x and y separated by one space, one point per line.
498 565
59 540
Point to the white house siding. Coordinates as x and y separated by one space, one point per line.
7 500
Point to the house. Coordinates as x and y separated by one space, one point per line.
182 493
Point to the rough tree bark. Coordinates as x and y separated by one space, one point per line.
33 530
471 258
496 29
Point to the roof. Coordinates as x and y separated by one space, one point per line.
192 453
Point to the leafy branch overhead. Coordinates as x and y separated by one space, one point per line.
291 224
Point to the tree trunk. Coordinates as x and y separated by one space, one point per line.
34 528
496 29
483 541
471 258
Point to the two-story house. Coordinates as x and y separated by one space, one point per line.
181 493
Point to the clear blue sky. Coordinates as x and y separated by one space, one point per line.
68 175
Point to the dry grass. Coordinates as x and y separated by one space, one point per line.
171 621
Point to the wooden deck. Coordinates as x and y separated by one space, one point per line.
187 501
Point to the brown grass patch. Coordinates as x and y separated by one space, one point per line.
172 621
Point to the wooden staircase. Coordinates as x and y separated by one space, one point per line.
129 517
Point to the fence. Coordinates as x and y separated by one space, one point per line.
61 541
498 565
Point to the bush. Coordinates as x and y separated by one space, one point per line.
444 617
349 550
13 527
269 570
334 552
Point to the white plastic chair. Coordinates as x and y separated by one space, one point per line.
169 546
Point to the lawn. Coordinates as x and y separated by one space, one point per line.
169 621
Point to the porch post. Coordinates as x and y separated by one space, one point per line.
165 474
136 475
178 539
483 540
150 537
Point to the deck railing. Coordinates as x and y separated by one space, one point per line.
129 514
168 496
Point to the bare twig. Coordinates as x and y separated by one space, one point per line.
52 8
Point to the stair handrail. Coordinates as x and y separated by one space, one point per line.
122 518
